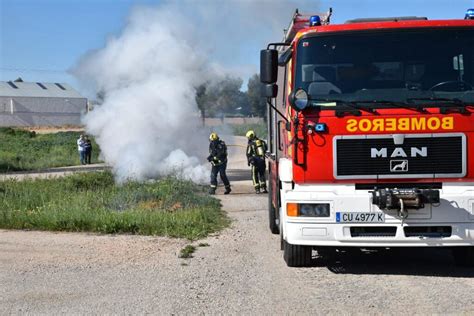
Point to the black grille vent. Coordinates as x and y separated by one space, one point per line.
373 231
428 231
444 157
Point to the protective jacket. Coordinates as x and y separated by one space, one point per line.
217 152
256 149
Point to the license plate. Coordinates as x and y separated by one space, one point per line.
358 217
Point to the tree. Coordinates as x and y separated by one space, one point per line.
256 101
222 97
227 95
100 96
201 101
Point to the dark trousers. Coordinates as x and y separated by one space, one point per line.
258 174
221 170
88 154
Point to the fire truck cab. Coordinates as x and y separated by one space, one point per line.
371 135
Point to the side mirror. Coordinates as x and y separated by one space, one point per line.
298 99
268 65
269 90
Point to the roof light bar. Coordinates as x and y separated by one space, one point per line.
314 20
469 14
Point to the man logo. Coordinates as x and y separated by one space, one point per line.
398 152
398 165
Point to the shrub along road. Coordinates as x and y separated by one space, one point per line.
24 150
52 172
238 271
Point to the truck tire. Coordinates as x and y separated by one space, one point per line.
464 256
297 255
272 212
282 241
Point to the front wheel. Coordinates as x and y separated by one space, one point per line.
464 256
297 255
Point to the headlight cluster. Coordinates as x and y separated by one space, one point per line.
308 209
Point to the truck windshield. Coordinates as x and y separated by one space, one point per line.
407 66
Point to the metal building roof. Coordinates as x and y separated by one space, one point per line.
37 89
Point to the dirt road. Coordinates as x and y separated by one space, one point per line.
240 272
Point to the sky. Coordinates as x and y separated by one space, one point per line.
41 40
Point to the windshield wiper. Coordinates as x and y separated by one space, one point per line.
354 105
396 104
359 105
454 101
448 103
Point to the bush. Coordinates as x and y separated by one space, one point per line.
241 129
23 150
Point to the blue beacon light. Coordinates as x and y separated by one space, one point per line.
314 20
320 127
469 14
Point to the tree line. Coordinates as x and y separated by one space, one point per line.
225 98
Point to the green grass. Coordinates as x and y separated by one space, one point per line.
259 129
92 202
187 252
22 150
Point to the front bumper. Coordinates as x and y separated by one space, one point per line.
340 235
455 213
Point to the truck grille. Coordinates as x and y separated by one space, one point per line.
422 155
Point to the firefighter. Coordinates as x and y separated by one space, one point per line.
218 159
256 149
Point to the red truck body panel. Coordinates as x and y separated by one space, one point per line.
317 148
371 26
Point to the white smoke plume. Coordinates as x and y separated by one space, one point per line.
148 124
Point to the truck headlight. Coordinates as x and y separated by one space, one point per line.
308 210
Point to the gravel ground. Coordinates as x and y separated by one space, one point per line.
241 271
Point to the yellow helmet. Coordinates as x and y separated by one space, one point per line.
213 136
250 134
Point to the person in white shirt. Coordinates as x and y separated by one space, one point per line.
82 151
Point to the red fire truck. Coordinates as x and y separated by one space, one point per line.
371 135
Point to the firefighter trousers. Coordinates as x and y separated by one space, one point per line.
258 174
221 170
